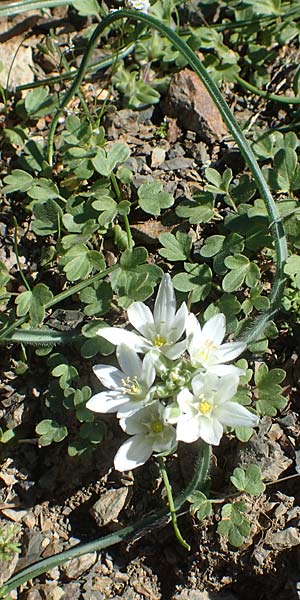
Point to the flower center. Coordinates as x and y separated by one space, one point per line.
204 406
207 348
158 341
131 386
157 426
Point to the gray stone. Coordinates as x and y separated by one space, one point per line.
109 505
77 566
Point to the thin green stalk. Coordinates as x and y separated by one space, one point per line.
17 255
146 524
5 333
276 224
96 66
16 8
125 217
168 488
264 94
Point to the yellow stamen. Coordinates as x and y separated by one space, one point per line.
206 349
131 386
204 407
159 341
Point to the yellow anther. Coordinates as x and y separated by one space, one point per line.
204 407
206 349
158 341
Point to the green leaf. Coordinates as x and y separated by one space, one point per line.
292 268
152 199
175 247
248 480
268 390
212 245
33 302
50 431
17 181
47 217
93 432
97 298
79 261
199 209
86 7
196 281
234 525
43 189
201 506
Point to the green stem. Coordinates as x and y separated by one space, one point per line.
17 255
168 488
100 64
5 333
265 94
276 224
198 480
125 217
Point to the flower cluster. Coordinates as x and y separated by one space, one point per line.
143 5
182 390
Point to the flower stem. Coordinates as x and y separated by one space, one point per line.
168 488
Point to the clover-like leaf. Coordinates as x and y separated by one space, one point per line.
47 217
292 267
234 524
152 199
268 390
50 431
248 480
17 181
34 302
196 281
200 505
176 247
198 209
79 261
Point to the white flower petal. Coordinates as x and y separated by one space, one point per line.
188 429
214 329
235 415
175 351
185 399
193 327
106 402
133 453
224 370
148 370
140 317
165 303
227 352
129 361
226 388
166 441
177 327
117 335
110 377
130 408
211 431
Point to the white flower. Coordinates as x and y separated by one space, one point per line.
143 5
150 433
159 331
206 349
206 411
130 387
